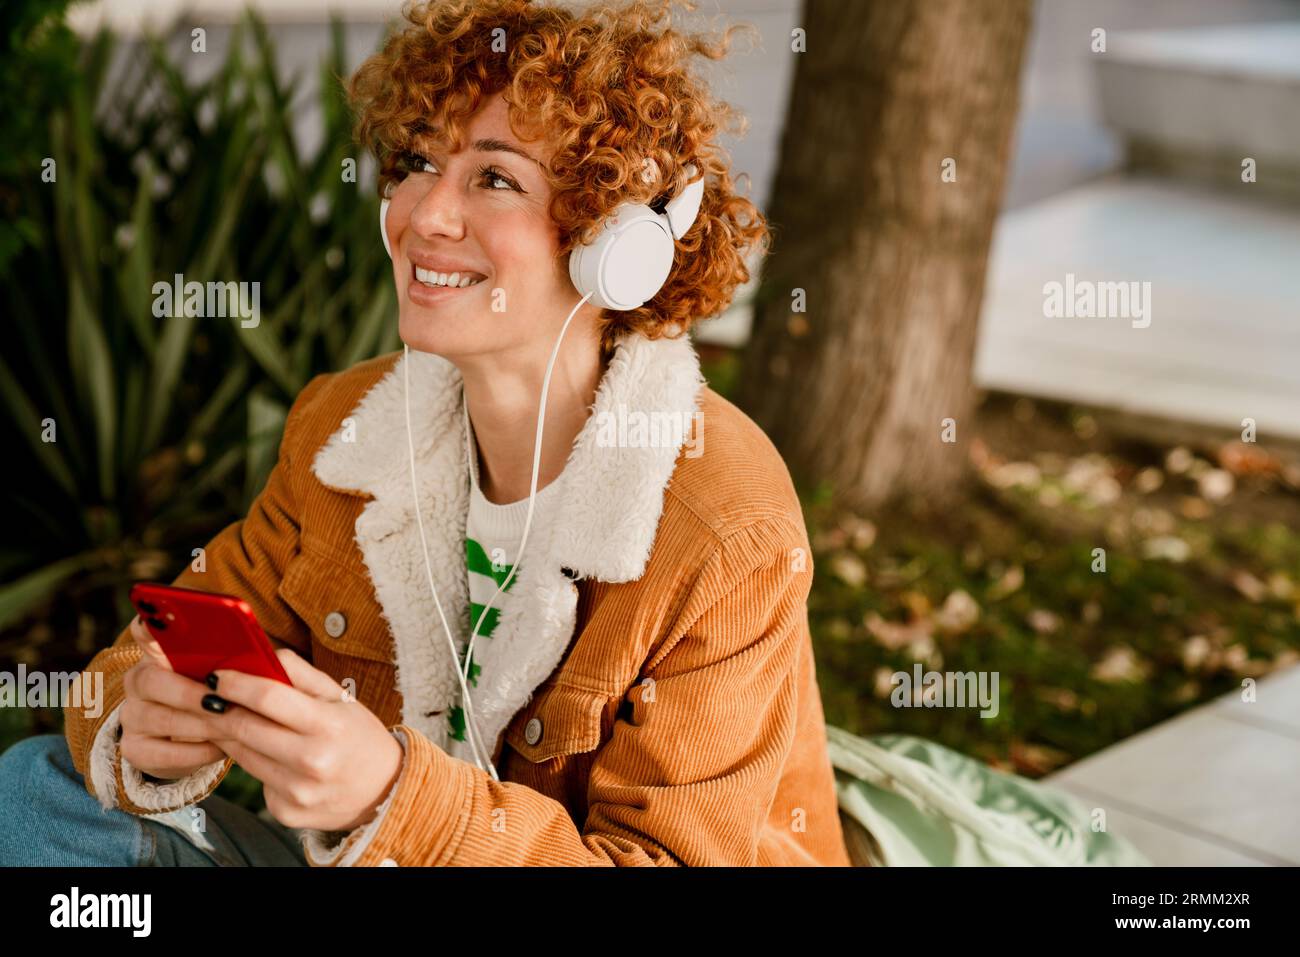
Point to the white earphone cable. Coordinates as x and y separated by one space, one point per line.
528 519
419 519
470 725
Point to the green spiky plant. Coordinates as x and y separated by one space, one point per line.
132 439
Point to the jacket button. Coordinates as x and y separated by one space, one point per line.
533 730
335 624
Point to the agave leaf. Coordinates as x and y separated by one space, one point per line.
179 329
85 210
262 343
211 477
92 371
231 388
19 598
34 333
136 278
132 417
367 333
265 426
24 413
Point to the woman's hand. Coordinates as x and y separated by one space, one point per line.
165 731
324 759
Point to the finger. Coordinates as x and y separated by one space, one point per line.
265 769
149 644
169 688
308 678
286 706
247 728
143 751
143 716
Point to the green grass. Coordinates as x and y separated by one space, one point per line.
1185 631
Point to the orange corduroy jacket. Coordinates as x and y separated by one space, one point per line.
659 704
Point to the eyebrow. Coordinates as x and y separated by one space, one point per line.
488 145
500 146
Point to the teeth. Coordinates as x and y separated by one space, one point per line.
456 279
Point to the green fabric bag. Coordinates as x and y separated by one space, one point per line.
925 804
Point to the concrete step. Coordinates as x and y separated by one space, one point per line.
1208 97
1219 785
1222 342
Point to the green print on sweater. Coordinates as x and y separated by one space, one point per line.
456 722
477 561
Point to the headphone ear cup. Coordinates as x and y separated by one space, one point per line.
383 226
627 263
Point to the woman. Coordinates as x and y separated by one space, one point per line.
641 685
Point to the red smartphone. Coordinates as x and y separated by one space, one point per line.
200 631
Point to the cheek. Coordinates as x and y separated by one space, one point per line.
523 248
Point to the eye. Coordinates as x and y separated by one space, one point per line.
414 163
493 174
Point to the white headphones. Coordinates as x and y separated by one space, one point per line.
622 268
630 259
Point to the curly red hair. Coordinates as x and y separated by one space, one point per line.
616 96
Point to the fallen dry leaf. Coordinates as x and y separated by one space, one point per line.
1148 480
884 682
849 568
1036 758
979 454
917 605
1247 458
1154 521
894 636
1249 586
1092 477
1043 621
1091 612
1280 586
1215 485
1010 582
1014 474
1120 663
1179 460
1167 547
1062 698
1198 652
861 533
959 613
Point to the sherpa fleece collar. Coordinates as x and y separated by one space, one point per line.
603 526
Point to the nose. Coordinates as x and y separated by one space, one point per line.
439 212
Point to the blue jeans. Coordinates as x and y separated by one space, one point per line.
49 819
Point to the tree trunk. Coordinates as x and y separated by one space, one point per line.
890 93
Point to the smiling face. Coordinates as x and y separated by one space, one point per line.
479 219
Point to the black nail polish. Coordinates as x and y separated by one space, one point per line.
212 703
211 679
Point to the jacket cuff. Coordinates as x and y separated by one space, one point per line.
417 821
119 785
342 848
